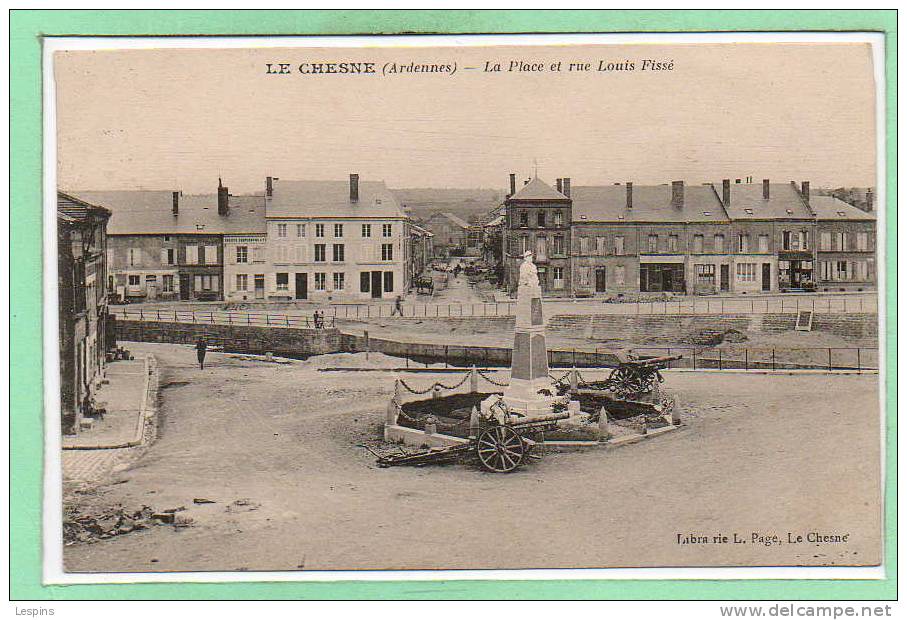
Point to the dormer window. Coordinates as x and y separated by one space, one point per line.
841 214
748 211
706 213
789 212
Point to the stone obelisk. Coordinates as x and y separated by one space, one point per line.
531 391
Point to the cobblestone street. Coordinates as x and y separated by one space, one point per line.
276 447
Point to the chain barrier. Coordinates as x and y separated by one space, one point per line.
434 385
490 380
561 380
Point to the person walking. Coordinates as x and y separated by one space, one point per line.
201 347
398 306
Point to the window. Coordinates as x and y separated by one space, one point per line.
584 276
786 240
387 230
167 282
366 230
746 272
319 230
698 241
320 281
339 280
719 244
281 254
191 254
524 218
653 244
842 241
387 251
541 248
825 241
206 283
743 243
283 281
281 230
541 219
672 244
299 252
242 282
242 254
365 282
524 244
862 241
300 230
388 281
583 245
705 274
135 280
338 252
558 218
338 231
763 244
320 253
168 256
620 275
559 245
150 279
558 277
803 238
841 270
210 254
600 246
135 257
619 245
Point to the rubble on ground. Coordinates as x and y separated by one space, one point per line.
79 527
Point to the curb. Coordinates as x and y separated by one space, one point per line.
147 407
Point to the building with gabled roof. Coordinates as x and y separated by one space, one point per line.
847 244
332 240
451 233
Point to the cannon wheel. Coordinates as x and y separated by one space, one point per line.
500 449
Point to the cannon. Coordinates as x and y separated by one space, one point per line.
635 376
500 447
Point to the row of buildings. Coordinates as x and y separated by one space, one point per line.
298 240
733 237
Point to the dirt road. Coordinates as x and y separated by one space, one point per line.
759 454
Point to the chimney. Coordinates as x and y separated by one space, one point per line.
176 203
869 199
223 198
804 191
726 192
765 189
629 195
269 186
354 188
512 184
566 186
677 194
560 185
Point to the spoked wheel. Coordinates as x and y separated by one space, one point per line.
500 449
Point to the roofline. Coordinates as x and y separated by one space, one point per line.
84 203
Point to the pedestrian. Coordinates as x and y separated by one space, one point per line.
201 347
398 306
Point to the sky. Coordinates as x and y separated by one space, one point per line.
180 118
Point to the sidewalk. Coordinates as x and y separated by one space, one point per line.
122 426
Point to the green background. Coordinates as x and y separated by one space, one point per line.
26 411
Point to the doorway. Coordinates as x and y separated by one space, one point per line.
766 276
376 284
185 283
302 286
725 277
600 280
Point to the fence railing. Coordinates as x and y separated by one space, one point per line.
754 305
768 358
224 317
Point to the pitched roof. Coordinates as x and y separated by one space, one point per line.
831 208
651 203
71 209
747 203
537 189
312 199
455 219
150 212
